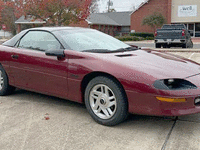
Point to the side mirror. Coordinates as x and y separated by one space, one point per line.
58 53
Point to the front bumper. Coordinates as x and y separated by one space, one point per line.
148 104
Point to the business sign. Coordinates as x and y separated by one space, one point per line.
187 11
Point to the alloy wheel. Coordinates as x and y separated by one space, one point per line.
1 80
103 101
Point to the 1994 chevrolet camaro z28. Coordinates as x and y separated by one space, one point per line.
109 76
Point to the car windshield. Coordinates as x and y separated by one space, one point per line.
91 40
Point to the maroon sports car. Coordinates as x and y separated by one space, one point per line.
109 76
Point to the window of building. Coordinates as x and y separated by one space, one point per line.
197 29
191 29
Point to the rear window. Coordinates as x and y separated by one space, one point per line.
181 26
14 40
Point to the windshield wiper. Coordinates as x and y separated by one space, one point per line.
97 50
119 50
110 51
125 49
131 48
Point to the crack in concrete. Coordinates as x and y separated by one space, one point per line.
189 121
168 136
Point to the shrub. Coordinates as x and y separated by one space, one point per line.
129 38
149 38
144 35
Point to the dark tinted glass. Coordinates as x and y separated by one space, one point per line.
181 26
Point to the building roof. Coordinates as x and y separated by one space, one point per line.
53 29
29 20
112 18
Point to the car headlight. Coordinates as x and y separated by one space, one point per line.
173 84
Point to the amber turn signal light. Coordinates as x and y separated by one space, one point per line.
175 100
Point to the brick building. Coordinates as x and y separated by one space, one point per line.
175 11
113 23
29 21
149 7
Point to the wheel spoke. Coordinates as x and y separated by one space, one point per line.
110 111
111 97
111 104
106 91
96 93
99 109
96 105
102 89
106 112
95 97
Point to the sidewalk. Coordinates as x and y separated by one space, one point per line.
196 40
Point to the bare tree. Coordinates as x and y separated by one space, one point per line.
94 7
133 7
110 3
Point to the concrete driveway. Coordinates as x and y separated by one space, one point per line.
31 121
34 121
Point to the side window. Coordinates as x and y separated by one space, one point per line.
39 40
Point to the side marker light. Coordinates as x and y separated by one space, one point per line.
173 100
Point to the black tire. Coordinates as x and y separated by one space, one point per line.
191 46
117 112
165 46
184 45
5 88
168 46
158 45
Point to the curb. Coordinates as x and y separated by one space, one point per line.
173 50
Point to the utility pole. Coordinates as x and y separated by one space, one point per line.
109 6
110 3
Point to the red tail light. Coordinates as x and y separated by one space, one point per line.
155 34
183 32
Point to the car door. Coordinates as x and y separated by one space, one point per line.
34 70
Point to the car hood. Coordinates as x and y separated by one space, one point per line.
159 65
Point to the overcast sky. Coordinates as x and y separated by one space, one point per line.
119 5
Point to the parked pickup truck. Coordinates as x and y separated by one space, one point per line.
173 35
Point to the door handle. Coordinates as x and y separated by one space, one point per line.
15 56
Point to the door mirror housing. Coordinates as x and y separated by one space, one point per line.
58 53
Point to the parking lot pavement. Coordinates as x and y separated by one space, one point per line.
190 55
195 57
185 136
186 132
30 121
